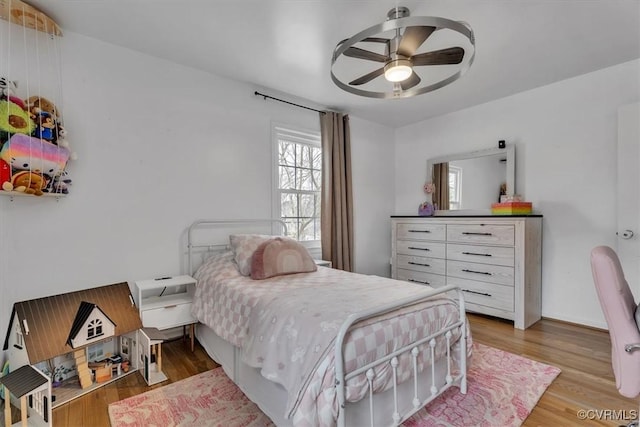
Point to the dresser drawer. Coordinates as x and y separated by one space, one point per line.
434 280
495 255
486 294
427 265
168 317
421 231
422 249
482 233
482 272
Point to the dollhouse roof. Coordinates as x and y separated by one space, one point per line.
50 319
23 380
84 311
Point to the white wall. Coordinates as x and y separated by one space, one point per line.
159 146
566 136
372 152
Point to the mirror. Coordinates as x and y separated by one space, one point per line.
472 180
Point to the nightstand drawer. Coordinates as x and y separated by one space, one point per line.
168 317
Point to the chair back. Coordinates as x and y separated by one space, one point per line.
619 308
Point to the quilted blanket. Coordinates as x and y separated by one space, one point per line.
287 325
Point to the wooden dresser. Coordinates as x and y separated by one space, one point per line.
495 260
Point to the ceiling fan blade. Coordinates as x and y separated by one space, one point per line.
356 52
412 81
376 40
413 38
367 77
452 55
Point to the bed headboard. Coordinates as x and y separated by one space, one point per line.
207 236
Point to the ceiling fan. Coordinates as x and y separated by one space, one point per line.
400 58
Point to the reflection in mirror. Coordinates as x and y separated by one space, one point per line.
472 180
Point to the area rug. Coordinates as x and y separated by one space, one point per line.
503 388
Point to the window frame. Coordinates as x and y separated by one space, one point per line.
301 136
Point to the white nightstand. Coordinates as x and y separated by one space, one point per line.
166 303
323 263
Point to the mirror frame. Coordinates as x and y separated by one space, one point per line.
509 150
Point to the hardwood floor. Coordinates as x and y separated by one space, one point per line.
583 354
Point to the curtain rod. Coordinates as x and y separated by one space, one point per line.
287 102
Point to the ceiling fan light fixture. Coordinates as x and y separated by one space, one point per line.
402 58
398 70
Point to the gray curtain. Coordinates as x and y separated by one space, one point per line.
337 200
441 180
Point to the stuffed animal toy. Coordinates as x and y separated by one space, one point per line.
60 184
60 138
28 182
36 104
5 173
23 152
7 87
45 126
14 120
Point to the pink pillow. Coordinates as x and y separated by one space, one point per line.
279 256
243 247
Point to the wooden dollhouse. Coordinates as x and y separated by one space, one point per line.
77 341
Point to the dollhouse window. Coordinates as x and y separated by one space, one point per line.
19 340
94 329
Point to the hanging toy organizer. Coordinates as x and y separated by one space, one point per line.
34 150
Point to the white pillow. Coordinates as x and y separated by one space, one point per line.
243 247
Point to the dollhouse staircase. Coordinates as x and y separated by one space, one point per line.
84 374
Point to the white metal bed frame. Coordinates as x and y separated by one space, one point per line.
418 400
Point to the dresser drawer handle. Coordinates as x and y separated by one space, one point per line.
419 249
170 306
419 281
476 254
469 233
419 231
476 272
417 263
476 292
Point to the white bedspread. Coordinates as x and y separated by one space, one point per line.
287 326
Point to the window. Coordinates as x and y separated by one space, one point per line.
455 192
298 181
94 329
19 339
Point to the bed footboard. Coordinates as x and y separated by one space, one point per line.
421 395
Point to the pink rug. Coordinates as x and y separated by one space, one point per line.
503 389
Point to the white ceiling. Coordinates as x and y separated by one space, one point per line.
287 45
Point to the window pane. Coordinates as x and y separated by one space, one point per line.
305 180
307 231
289 205
303 153
317 181
292 228
287 153
287 178
316 224
307 205
317 158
